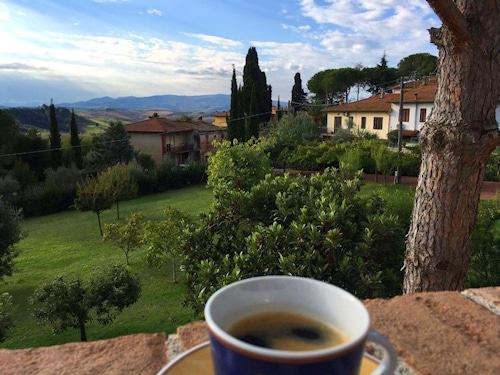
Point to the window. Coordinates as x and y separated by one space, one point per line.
378 123
363 122
406 115
423 114
337 123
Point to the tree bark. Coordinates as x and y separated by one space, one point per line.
456 143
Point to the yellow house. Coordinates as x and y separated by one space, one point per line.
220 119
370 115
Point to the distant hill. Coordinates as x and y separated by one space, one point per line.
174 103
39 118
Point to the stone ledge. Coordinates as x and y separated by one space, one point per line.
134 354
433 333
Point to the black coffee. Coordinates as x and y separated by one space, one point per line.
287 331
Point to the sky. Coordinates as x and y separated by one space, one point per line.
73 50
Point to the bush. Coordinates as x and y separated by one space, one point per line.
484 269
318 227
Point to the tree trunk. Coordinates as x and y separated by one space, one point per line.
100 224
456 143
83 332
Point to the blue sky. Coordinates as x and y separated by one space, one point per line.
72 50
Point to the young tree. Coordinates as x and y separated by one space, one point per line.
120 183
456 142
75 142
91 196
299 96
128 236
69 303
55 138
166 239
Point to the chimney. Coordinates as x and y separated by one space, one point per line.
341 101
382 93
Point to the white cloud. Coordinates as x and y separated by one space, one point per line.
367 28
155 12
221 42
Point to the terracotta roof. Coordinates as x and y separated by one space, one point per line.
374 103
377 103
202 126
424 93
158 125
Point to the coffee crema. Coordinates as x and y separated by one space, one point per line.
282 330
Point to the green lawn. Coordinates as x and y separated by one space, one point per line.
69 243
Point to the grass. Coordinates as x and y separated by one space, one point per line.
69 243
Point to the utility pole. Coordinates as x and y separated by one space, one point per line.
400 131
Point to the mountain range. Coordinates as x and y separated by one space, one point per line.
175 103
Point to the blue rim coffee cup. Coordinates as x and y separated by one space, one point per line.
316 299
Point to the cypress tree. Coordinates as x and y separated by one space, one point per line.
253 119
55 138
75 142
234 115
252 75
298 94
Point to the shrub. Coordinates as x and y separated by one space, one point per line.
484 269
318 227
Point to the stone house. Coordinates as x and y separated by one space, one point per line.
176 141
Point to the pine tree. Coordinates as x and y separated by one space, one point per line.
55 138
298 94
75 142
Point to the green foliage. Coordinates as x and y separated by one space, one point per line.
119 183
255 79
9 188
6 313
238 166
235 122
128 237
318 227
54 138
380 77
299 96
493 166
69 303
110 148
75 142
385 159
166 239
252 120
484 269
33 149
10 132
10 235
417 65
91 196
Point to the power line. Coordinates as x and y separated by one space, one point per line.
61 148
